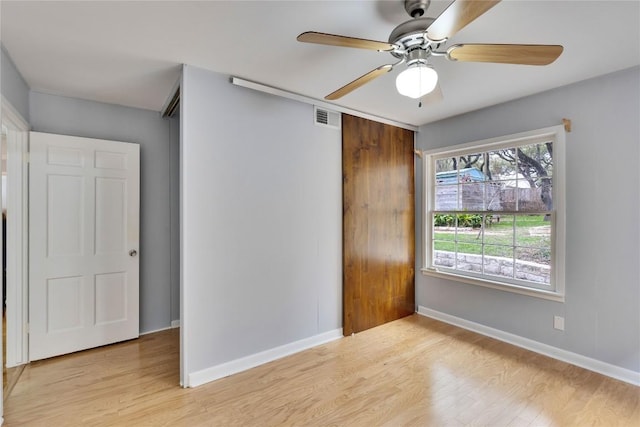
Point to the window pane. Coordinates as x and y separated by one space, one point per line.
533 231
506 199
541 255
469 257
445 168
499 231
493 196
502 165
444 254
471 196
533 251
529 200
504 178
446 197
545 186
470 168
498 260
444 221
444 240
468 222
467 231
535 160
531 265
498 251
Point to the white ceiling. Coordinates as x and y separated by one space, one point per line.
129 52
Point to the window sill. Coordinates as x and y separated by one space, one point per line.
532 292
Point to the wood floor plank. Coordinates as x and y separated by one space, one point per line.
411 372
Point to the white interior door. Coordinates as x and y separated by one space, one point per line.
83 240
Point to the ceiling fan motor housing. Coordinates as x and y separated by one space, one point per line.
416 8
410 35
417 56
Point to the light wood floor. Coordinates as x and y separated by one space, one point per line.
414 371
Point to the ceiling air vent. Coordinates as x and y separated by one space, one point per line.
328 118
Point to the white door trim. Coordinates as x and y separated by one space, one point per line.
17 236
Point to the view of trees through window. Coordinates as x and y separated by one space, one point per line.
493 213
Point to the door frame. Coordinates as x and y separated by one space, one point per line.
17 236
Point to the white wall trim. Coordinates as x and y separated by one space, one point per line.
17 235
175 323
594 365
12 114
155 330
238 365
301 98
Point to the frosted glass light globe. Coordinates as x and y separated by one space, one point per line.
416 81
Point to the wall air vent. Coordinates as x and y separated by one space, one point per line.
328 118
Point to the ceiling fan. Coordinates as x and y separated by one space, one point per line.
413 42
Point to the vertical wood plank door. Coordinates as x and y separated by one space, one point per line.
378 223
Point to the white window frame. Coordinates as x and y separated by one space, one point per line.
556 134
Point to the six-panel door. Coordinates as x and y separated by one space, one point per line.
83 243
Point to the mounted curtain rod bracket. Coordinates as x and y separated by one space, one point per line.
418 153
567 125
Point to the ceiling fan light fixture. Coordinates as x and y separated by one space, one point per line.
417 80
415 41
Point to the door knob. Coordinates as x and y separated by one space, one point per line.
133 252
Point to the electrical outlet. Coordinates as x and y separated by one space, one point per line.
558 323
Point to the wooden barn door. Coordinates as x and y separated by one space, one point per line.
378 223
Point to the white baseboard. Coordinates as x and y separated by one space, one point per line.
174 324
598 366
238 365
153 331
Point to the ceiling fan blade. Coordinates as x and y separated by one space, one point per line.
525 54
359 82
457 16
344 41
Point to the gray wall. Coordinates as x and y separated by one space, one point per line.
602 319
261 222
13 86
70 116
